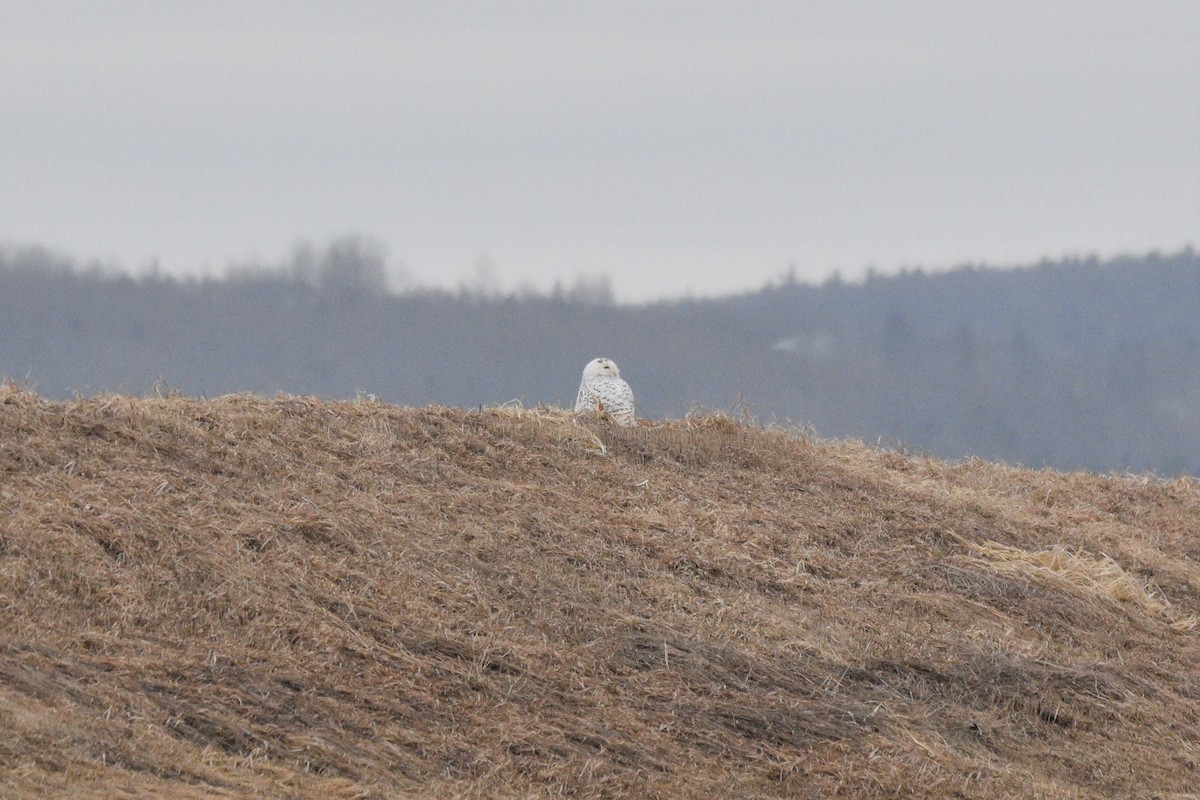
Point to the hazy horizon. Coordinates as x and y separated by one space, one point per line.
675 148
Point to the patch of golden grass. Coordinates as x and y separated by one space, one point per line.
1098 575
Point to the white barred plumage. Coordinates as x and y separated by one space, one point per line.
604 392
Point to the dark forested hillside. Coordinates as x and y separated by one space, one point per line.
1074 364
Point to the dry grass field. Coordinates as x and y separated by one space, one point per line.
287 597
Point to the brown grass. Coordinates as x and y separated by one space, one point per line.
295 598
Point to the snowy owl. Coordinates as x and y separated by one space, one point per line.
602 390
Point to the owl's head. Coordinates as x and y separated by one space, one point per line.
601 366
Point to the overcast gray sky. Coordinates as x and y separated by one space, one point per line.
676 146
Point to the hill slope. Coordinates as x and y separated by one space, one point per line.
292 597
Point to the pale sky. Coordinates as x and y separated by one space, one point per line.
678 147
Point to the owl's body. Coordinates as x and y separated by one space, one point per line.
604 392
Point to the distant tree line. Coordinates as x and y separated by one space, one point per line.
1079 363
